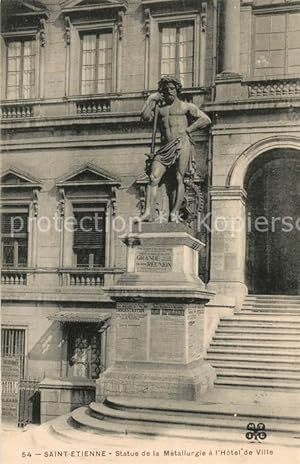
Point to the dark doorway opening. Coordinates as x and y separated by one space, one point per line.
273 226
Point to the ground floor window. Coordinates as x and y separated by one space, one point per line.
13 345
84 351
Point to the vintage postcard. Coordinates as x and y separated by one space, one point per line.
150 172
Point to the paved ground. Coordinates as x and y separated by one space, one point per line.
35 445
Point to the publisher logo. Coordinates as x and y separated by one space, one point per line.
256 432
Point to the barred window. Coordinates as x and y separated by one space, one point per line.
84 351
177 51
97 62
89 236
21 57
277 44
13 345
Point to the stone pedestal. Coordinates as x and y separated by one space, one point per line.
159 319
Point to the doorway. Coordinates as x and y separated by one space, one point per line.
273 226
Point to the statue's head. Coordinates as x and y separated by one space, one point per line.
169 85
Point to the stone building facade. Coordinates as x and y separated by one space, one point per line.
76 74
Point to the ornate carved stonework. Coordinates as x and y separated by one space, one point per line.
42 32
68 30
274 88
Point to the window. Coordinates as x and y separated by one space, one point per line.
177 51
13 344
14 239
89 235
84 351
21 68
97 62
277 44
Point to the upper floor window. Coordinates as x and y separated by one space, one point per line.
21 68
277 44
14 237
177 51
96 62
89 235
175 42
94 36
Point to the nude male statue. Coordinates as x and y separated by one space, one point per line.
177 146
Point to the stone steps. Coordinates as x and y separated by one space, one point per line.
273 298
146 418
271 306
261 354
257 365
268 330
259 346
253 343
253 318
277 312
251 373
271 336
235 381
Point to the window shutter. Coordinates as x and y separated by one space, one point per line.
89 231
13 224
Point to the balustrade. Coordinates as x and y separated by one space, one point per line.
16 111
13 278
274 88
93 106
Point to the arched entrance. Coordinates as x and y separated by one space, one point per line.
272 184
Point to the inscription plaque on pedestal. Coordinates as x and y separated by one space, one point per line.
131 331
195 339
167 339
150 259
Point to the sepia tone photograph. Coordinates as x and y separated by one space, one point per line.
150 231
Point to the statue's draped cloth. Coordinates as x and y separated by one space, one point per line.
168 154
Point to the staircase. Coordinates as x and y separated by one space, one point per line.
177 419
259 346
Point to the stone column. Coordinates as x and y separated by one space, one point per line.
228 239
231 59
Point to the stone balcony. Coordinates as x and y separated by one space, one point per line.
16 111
89 277
84 107
270 88
53 278
14 277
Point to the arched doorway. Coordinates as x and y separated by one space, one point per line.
272 183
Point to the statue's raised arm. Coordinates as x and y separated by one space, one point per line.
148 108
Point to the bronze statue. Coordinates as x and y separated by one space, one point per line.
172 115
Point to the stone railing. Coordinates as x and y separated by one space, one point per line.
110 106
93 106
13 277
16 111
88 277
274 88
